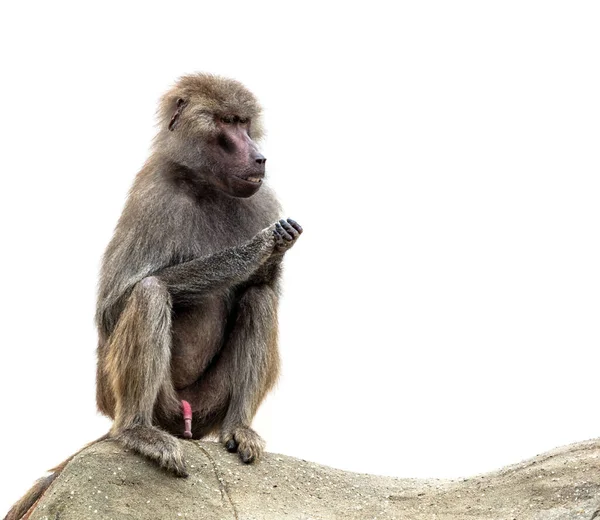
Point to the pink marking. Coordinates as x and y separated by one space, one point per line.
187 419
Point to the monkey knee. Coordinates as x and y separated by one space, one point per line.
151 286
151 282
151 293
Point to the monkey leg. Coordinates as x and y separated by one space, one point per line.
253 360
138 367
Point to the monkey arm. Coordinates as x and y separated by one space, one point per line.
189 281
256 262
269 272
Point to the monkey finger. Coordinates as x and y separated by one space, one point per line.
281 236
290 230
283 231
295 224
278 231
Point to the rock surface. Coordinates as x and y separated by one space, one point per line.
105 482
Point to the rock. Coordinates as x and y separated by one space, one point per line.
105 482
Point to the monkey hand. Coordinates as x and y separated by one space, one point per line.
286 232
276 239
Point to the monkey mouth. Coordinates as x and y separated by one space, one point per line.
254 179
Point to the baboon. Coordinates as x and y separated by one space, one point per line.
188 292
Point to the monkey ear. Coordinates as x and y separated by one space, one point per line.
180 104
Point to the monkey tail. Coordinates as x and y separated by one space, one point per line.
24 507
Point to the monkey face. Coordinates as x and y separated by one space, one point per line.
237 167
209 124
218 150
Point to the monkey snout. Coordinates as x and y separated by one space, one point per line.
260 158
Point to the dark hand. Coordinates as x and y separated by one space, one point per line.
286 232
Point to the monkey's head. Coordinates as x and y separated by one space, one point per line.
211 125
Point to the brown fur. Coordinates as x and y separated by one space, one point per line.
187 305
188 292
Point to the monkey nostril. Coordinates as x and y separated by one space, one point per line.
260 159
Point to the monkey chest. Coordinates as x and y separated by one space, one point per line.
197 335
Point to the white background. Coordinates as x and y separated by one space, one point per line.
441 311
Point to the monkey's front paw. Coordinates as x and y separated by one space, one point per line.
286 233
246 442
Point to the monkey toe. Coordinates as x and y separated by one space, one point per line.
173 464
231 446
247 457
246 442
251 451
180 470
172 461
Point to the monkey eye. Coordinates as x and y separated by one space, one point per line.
227 119
243 120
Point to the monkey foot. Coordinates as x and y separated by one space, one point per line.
155 444
248 444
